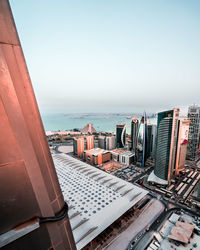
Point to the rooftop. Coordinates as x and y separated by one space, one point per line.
96 151
122 151
92 195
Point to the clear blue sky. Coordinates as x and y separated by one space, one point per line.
110 55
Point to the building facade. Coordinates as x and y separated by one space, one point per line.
167 129
151 140
29 188
89 142
134 132
106 142
79 146
122 156
141 143
120 135
96 156
182 141
82 143
194 130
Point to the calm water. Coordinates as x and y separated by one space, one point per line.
101 122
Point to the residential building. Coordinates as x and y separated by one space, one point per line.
79 146
89 142
82 143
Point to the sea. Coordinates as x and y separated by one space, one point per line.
101 122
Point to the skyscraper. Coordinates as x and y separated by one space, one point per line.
134 132
182 141
33 213
167 128
120 135
194 130
141 143
151 140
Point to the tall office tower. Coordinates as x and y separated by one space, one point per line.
194 130
120 135
106 142
134 131
89 142
151 140
33 214
141 144
167 128
79 146
182 141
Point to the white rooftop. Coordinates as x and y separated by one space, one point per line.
96 151
95 198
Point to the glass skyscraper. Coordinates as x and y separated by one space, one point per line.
139 140
194 130
120 135
167 127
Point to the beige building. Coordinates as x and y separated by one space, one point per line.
182 142
96 156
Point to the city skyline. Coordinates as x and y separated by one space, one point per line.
113 57
91 188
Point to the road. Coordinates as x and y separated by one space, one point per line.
150 213
141 175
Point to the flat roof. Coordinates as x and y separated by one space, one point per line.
93 194
96 151
122 151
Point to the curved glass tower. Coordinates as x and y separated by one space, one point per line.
163 148
120 135
167 129
141 144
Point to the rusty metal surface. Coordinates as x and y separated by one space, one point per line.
23 142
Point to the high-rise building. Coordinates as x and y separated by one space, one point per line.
182 141
134 132
82 143
194 130
167 129
33 213
151 140
106 142
79 146
141 143
89 142
120 135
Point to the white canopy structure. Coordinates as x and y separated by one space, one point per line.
96 199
